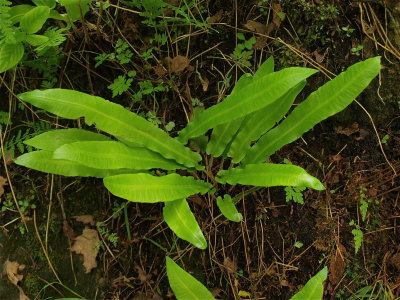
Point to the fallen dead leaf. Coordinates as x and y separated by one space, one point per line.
3 182
278 15
318 57
160 70
337 265
256 26
85 219
177 64
142 275
68 231
230 266
11 269
395 260
88 245
349 130
215 18
198 200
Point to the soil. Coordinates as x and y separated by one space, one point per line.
279 245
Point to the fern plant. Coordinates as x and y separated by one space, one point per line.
126 157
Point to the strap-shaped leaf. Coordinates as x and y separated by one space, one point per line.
259 122
10 55
269 175
314 288
267 67
184 285
328 100
151 189
42 161
53 139
223 134
114 155
34 19
180 219
228 208
254 96
113 119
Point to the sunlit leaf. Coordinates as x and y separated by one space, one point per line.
150 189
269 175
180 219
184 285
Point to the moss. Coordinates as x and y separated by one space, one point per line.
32 285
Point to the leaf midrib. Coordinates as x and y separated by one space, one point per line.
234 105
310 112
185 224
135 129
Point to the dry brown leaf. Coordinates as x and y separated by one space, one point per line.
337 265
230 266
198 200
85 219
276 19
142 275
11 269
348 131
177 64
256 26
261 42
319 57
215 18
395 260
3 182
68 231
88 245
160 70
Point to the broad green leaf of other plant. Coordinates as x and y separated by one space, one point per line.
314 288
184 285
252 97
113 119
269 175
228 208
113 155
180 219
43 161
151 189
36 39
328 100
76 9
34 19
10 55
49 3
53 139
18 11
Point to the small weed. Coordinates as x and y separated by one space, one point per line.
120 85
111 237
243 52
348 30
357 50
357 235
385 139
